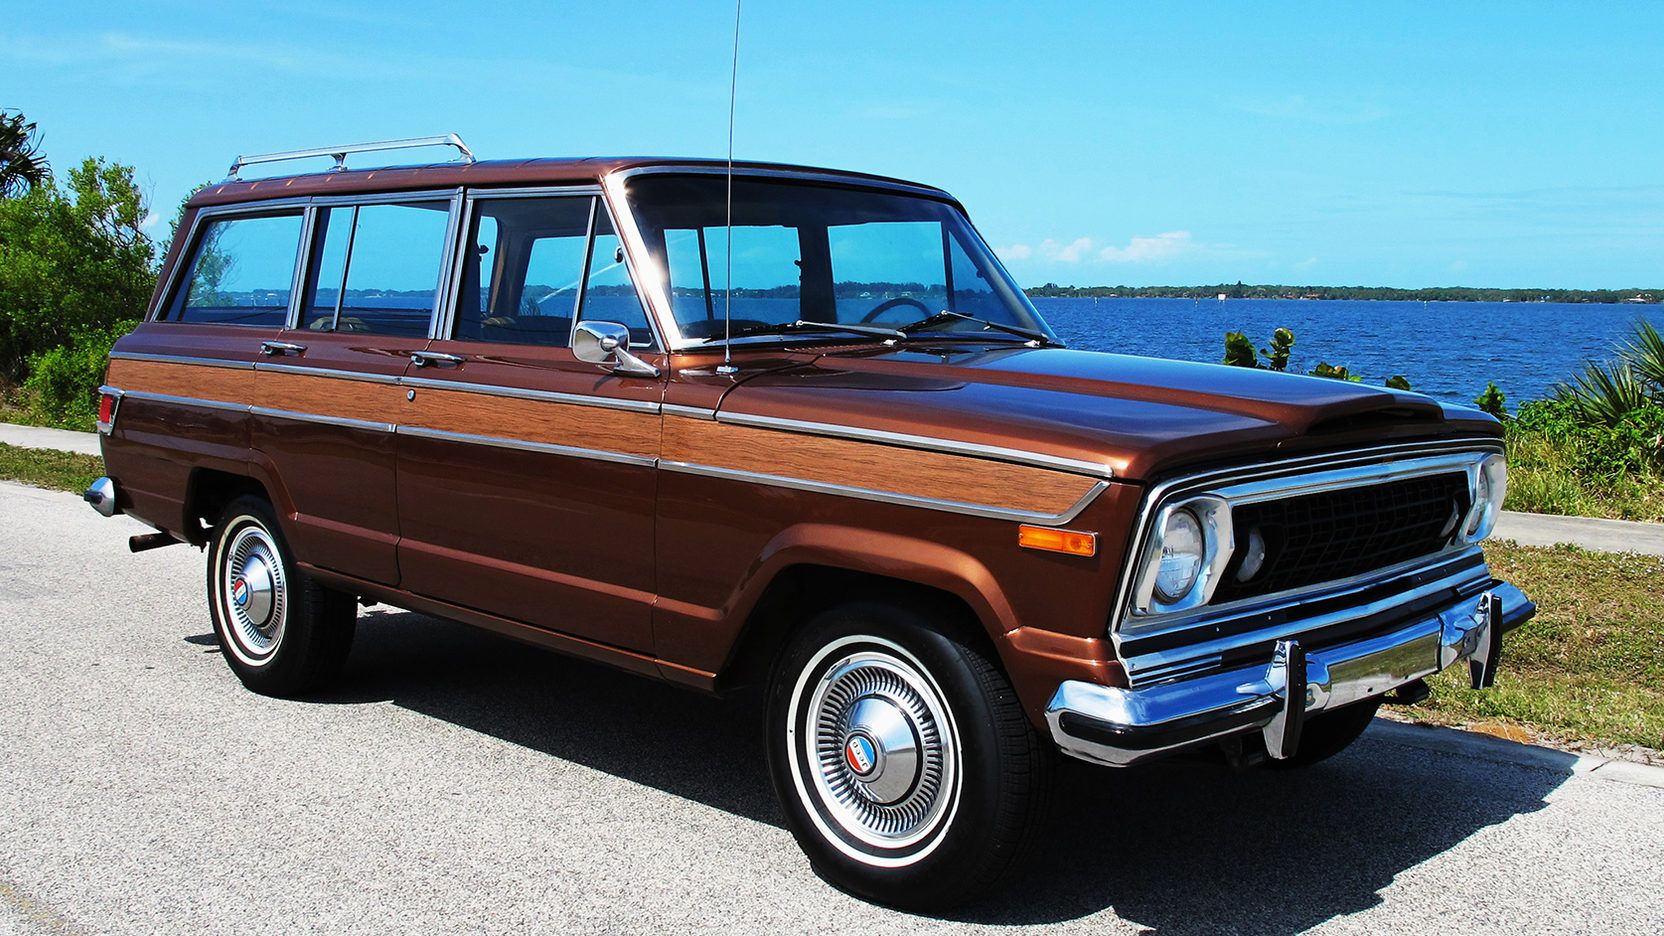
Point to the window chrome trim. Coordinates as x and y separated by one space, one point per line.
180 359
927 443
341 421
1366 462
623 458
889 497
544 396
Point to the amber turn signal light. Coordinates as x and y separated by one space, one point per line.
1071 542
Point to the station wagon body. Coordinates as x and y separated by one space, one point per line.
791 428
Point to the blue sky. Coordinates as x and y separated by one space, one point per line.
1508 144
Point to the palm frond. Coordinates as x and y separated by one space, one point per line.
1645 354
1604 393
22 166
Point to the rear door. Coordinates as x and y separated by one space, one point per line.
326 393
527 477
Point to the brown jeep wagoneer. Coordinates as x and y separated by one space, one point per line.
792 428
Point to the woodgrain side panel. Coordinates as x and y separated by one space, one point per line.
874 466
225 384
330 396
607 430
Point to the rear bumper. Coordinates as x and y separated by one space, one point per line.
1118 727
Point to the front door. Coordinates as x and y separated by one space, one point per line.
527 477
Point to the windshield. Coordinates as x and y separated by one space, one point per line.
817 253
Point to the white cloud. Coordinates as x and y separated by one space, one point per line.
1143 249
150 220
1306 264
1161 247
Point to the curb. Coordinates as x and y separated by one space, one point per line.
1470 744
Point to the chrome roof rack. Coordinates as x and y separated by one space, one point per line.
340 152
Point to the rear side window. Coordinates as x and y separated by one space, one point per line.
375 268
240 272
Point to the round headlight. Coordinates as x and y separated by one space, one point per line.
1182 551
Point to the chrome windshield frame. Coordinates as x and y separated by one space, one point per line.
651 278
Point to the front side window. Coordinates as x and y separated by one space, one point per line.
522 268
240 272
376 268
533 266
816 252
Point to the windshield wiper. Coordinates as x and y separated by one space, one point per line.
786 328
945 316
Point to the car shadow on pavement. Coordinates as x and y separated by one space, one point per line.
1176 847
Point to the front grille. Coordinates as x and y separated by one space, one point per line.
1322 537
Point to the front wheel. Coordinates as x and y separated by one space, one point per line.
903 761
282 633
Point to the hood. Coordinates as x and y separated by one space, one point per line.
1140 417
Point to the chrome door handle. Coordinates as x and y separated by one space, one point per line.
278 348
424 358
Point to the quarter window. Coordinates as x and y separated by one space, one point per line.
376 268
240 272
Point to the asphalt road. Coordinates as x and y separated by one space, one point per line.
460 783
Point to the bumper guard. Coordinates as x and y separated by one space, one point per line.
1118 727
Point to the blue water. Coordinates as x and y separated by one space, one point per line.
1446 349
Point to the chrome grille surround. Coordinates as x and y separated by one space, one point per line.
1203 636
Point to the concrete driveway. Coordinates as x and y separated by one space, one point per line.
461 783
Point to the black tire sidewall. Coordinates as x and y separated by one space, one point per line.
968 837
279 670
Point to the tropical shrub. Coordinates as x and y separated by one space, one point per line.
63 381
74 259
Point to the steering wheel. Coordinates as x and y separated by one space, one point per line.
889 304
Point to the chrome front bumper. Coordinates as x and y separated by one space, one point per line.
1115 726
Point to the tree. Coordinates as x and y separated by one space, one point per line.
74 260
22 167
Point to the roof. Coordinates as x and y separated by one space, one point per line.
501 172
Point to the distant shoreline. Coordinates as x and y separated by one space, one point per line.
1386 293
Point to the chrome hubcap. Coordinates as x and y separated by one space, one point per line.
879 747
253 593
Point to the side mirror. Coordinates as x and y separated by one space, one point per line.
609 343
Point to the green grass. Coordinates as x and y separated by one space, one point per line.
60 471
1543 478
1589 669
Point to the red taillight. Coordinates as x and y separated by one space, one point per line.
106 411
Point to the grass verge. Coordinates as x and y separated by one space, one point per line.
60 471
1588 670
1544 477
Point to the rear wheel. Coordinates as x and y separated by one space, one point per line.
903 761
282 633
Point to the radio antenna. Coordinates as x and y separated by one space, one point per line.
728 261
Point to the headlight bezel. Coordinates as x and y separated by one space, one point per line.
1212 515
1487 488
